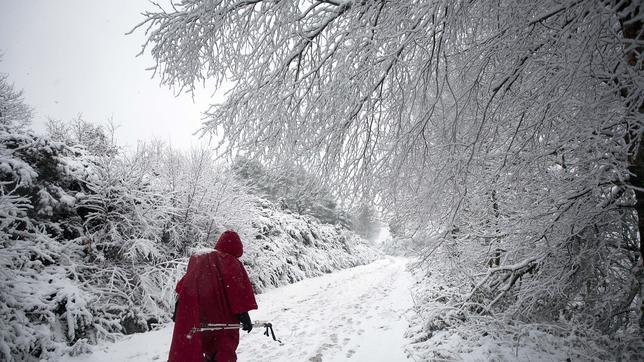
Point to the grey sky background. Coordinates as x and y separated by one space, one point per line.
72 57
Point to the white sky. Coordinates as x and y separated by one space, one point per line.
72 57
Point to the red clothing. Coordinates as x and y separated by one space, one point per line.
213 290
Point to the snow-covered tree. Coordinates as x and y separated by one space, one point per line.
45 308
13 112
206 194
365 221
513 128
79 133
293 188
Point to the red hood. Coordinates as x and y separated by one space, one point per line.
230 243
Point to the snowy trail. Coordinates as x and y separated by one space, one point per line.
354 314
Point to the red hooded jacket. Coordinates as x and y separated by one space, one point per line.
214 289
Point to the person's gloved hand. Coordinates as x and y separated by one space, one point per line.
244 318
174 313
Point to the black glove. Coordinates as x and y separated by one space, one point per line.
244 318
174 313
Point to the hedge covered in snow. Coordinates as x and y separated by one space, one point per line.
286 248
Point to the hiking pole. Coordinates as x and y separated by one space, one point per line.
203 327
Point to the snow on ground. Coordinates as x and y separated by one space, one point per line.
355 314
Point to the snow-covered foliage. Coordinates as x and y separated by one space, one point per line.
288 247
96 139
451 331
293 189
511 128
207 195
14 114
45 305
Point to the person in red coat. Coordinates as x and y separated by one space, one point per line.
215 289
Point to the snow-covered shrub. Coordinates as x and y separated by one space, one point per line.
444 326
45 308
63 210
123 228
284 248
206 195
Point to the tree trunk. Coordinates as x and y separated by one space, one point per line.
628 13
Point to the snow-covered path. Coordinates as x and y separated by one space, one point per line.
354 314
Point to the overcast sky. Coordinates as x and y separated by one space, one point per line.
72 57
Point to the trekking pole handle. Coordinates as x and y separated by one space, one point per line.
212 327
